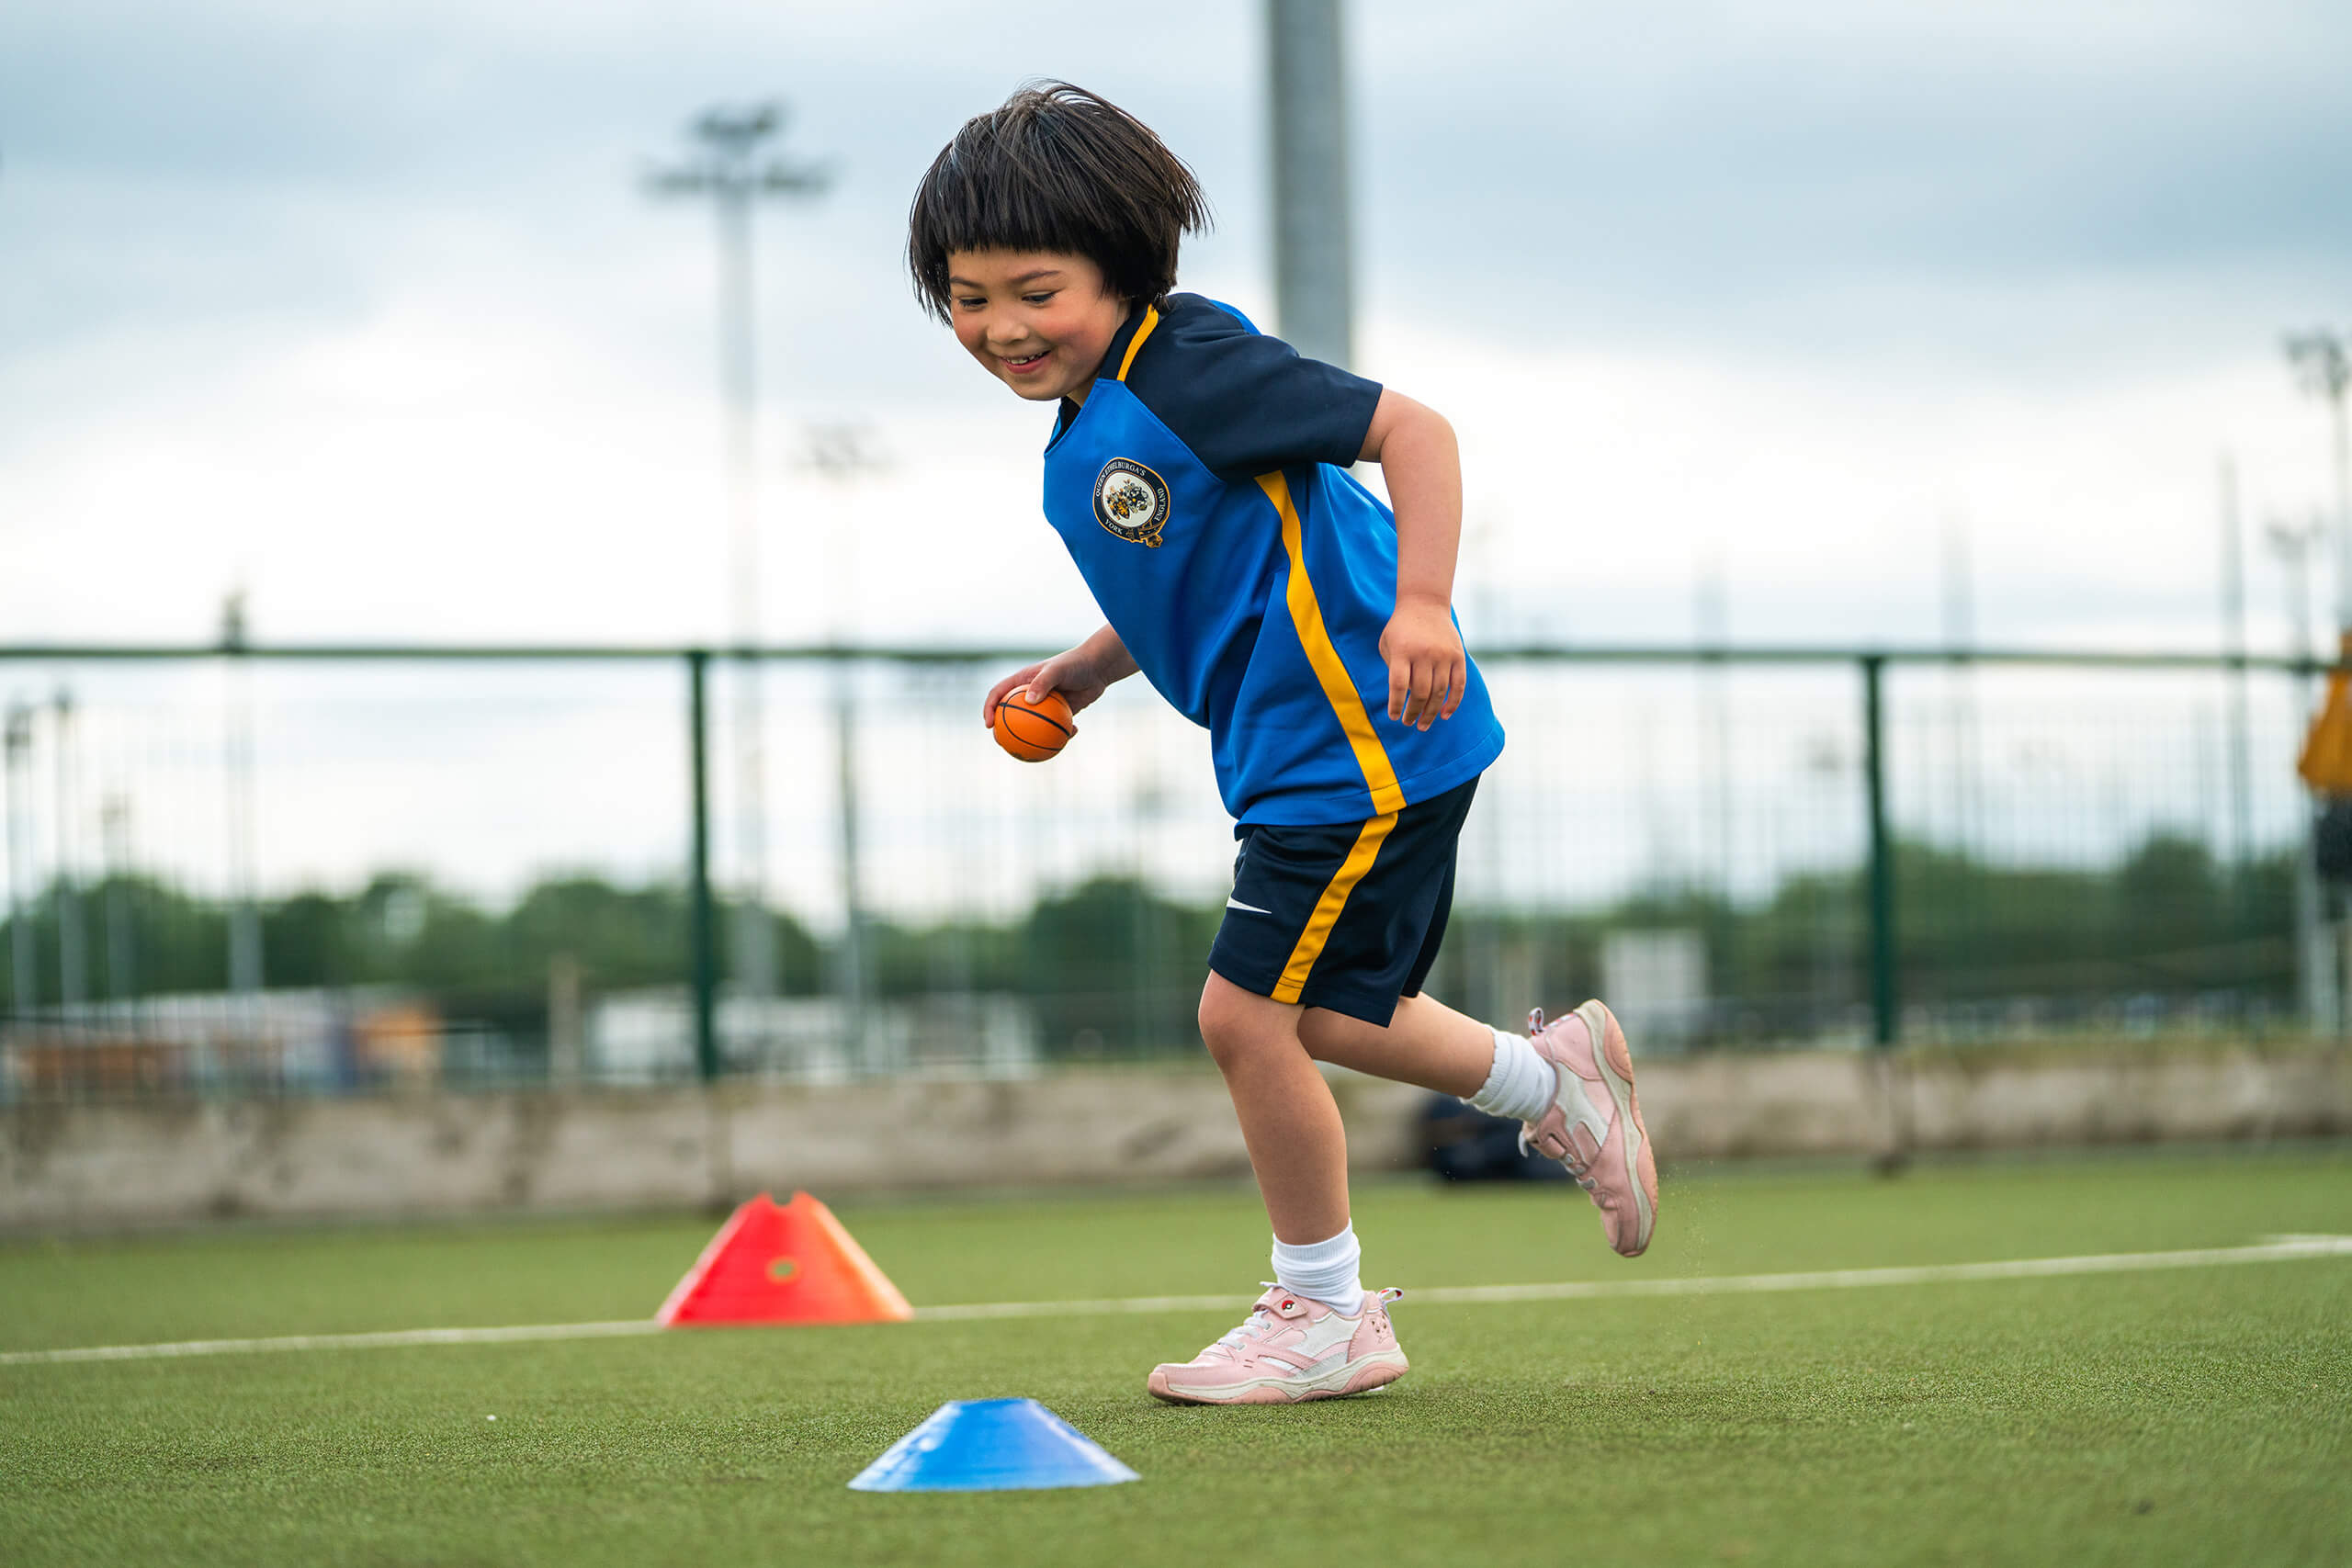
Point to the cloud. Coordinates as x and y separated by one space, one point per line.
371 311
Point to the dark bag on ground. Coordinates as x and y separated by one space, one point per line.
1462 1144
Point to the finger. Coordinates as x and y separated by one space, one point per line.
1426 687
1400 682
1002 690
1457 683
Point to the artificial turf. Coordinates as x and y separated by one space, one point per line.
2192 1417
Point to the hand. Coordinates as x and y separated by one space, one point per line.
1428 672
1073 674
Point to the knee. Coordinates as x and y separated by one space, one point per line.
1217 1019
1231 1021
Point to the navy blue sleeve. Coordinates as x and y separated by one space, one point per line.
1244 402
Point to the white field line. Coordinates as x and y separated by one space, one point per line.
517 1333
2271 1249
2274 1249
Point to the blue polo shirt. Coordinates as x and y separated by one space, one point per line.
1201 490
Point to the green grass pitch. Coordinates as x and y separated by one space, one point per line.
2191 1417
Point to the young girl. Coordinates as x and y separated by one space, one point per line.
1197 474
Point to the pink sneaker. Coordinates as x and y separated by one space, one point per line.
1594 1126
1289 1348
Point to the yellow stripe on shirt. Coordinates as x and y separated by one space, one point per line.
1331 669
1328 907
1151 320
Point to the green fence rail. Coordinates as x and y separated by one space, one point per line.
1872 669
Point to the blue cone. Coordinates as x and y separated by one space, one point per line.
992 1445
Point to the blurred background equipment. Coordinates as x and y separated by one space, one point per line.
1463 1143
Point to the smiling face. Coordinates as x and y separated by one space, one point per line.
1038 321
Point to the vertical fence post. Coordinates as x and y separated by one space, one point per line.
1884 1000
699 911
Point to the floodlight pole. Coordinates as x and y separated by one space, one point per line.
727 170
2320 357
72 958
2240 753
1886 1016
842 455
2314 964
114 816
1308 113
24 980
237 757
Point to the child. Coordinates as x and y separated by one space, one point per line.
1197 474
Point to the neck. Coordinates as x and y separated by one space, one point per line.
1078 397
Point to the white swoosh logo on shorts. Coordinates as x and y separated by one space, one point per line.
1233 903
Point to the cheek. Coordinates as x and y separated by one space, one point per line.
1094 332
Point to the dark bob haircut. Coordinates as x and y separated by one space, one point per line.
1055 169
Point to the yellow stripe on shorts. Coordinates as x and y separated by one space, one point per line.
1328 907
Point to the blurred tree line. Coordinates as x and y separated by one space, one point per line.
1114 967
2168 927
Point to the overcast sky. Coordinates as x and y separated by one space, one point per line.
363 306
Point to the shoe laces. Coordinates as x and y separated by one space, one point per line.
1260 1323
1578 1166
1263 1321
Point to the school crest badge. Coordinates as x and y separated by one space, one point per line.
1131 502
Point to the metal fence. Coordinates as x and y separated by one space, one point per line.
338 869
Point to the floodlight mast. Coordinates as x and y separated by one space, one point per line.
1308 113
2319 357
2316 978
18 739
72 968
843 454
728 169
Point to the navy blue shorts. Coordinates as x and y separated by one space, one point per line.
1347 916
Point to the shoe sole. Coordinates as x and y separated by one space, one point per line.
1615 1060
1333 1384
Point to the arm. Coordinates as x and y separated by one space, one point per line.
1428 673
1080 675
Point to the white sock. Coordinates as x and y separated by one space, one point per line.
1323 1271
1521 1084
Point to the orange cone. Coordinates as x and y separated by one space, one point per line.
788 1264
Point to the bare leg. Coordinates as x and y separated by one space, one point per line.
1426 1043
1288 1119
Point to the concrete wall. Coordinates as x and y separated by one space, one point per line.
72 1167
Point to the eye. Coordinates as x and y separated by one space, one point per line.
969 301
1038 299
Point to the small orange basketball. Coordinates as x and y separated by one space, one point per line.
1032 731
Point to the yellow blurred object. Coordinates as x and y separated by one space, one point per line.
2327 761
401 1041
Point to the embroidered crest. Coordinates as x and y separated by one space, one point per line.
1131 502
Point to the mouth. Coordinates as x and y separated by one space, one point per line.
1025 366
